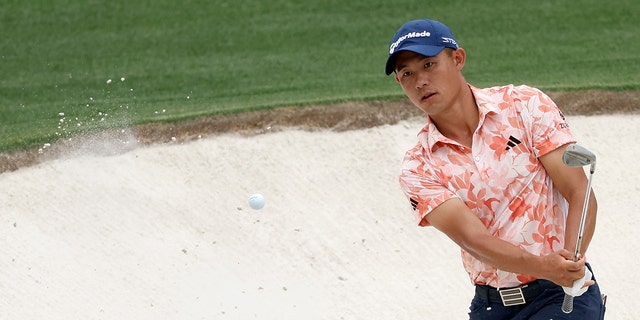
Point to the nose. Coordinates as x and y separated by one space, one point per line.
422 80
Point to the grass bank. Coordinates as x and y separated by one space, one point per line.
75 66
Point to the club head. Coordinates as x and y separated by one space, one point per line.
578 156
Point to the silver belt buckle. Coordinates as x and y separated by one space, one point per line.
512 297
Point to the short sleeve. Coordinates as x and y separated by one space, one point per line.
422 187
548 126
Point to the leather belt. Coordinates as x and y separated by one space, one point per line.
514 296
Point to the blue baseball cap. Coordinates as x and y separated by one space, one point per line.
424 36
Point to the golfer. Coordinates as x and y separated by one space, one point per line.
487 171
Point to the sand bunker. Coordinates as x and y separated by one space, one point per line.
165 231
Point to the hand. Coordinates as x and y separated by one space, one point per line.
561 269
579 286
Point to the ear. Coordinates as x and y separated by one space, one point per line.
396 77
459 57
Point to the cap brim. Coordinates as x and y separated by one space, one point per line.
427 51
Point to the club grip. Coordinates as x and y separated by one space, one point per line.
567 303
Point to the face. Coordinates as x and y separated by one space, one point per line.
431 83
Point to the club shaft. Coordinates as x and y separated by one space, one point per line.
583 218
567 303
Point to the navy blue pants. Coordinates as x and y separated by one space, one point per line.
547 305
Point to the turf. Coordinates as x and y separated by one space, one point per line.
77 66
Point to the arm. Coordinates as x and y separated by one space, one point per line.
459 223
572 184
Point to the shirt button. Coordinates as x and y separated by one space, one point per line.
477 159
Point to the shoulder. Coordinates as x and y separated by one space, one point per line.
521 97
413 158
508 92
511 90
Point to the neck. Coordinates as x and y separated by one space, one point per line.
460 121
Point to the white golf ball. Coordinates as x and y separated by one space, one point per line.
256 201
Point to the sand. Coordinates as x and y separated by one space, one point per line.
165 231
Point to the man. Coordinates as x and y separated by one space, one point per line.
487 171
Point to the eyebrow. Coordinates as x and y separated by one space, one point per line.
398 68
422 58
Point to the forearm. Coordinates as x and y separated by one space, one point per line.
505 256
573 224
455 219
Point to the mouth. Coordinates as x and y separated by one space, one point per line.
427 96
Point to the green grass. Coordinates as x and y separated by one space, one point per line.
184 59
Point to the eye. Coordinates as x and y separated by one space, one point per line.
406 74
429 64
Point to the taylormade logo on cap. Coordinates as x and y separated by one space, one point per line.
422 34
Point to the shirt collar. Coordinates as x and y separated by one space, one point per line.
429 136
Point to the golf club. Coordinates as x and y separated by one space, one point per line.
578 156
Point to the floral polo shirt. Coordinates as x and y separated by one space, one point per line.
500 178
